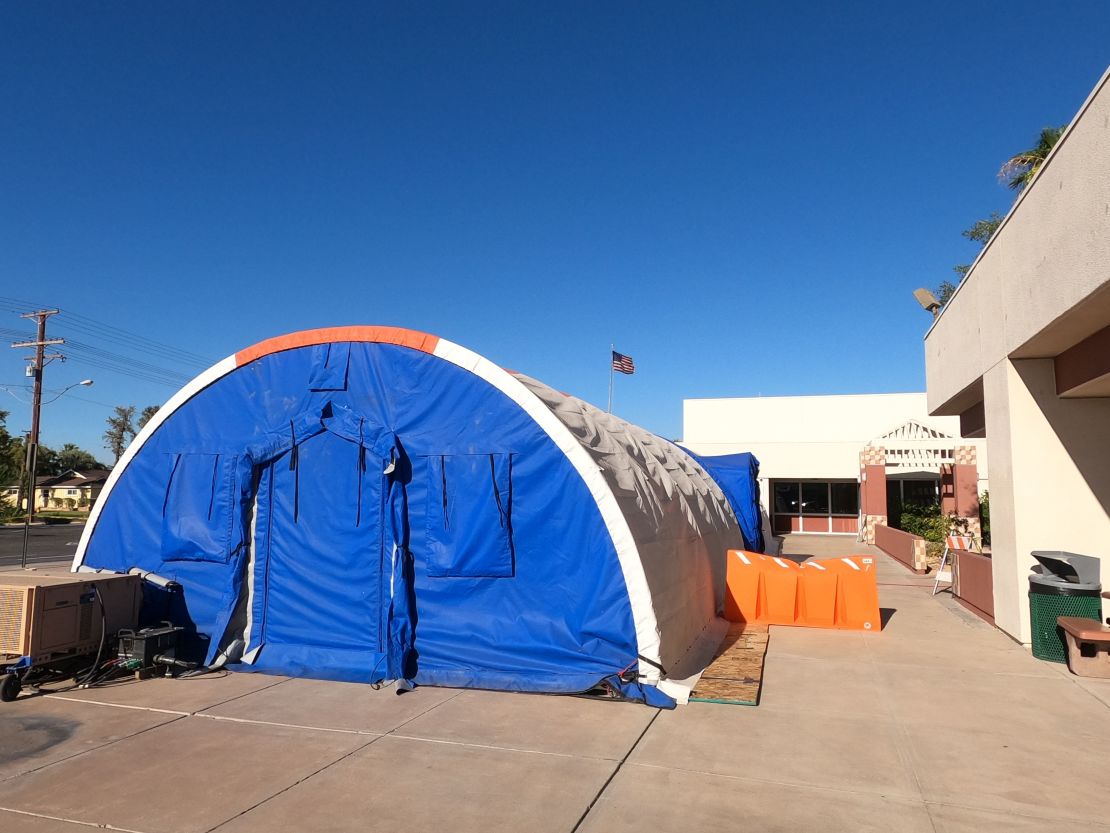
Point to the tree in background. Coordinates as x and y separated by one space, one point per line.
1016 172
121 430
46 462
980 232
11 454
1019 170
144 417
73 458
11 468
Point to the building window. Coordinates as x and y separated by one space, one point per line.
821 506
844 498
815 498
71 491
786 498
920 492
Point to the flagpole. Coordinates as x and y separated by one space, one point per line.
612 348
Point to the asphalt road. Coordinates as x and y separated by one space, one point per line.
55 543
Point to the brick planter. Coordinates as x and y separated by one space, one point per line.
973 583
901 546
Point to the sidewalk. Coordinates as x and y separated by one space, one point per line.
939 723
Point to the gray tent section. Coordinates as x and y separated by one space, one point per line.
680 520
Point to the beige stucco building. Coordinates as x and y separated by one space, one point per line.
813 451
1021 354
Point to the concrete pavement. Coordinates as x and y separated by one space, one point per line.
939 723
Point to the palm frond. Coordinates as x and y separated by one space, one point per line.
1019 170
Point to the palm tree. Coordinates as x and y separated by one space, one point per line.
1019 170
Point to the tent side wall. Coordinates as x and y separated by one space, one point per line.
680 520
738 477
560 622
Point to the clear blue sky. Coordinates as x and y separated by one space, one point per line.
741 196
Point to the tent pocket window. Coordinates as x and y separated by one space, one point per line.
199 510
468 528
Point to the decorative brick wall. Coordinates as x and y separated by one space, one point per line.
872 478
875 455
965 474
964 455
869 524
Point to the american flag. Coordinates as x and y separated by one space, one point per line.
623 363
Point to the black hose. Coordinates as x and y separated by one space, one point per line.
103 637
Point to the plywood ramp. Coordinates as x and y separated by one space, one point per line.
736 675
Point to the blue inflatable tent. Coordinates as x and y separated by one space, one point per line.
372 503
738 477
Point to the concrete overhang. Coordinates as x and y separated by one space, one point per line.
1083 370
1041 286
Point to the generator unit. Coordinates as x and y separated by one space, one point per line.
44 617
151 647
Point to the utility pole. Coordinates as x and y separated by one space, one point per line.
39 361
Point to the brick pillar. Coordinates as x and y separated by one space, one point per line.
947 490
965 487
872 491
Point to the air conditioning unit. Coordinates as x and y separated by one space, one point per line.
48 617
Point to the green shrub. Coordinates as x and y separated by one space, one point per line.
985 515
925 520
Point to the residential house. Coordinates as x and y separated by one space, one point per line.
56 491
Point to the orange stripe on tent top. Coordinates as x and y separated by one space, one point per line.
325 335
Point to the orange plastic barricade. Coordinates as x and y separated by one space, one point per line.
826 593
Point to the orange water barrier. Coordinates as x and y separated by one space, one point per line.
824 593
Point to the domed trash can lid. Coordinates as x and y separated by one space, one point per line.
1066 569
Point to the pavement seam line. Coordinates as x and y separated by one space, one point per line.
357 749
613 774
473 745
313 774
979 808
93 749
274 684
117 705
62 696
97 825
284 725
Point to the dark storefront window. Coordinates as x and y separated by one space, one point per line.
815 498
820 506
920 492
845 498
786 498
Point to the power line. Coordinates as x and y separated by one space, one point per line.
118 363
117 335
121 337
126 361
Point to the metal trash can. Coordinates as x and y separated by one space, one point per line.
1062 584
